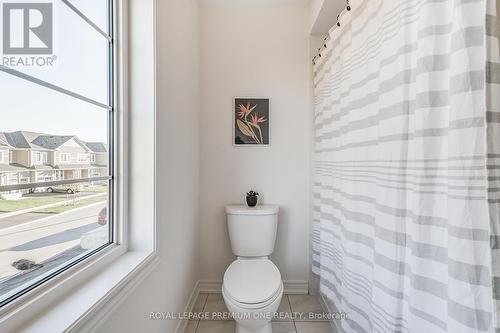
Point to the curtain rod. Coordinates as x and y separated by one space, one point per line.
324 46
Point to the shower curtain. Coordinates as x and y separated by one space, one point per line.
406 234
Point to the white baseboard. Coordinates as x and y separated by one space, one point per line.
181 326
210 286
325 306
290 286
215 286
297 287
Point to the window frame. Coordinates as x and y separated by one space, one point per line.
47 280
82 297
66 160
82 158
41 157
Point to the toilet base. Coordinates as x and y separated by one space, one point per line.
266 329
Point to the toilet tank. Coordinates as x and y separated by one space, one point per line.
252 230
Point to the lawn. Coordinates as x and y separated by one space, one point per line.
96 188
69 206
14 205
42 199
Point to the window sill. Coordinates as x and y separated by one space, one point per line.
84 303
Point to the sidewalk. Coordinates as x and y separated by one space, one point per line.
21 219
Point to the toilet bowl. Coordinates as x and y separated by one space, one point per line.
252 290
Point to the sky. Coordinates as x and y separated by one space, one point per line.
81 67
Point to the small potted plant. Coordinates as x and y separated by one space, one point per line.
252 198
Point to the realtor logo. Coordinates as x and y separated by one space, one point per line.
27 28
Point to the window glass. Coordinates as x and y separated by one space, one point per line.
56 185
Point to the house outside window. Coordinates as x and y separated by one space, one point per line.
83 158
64 158
41 157
13 178
92 158
2 157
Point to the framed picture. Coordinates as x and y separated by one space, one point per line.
251 121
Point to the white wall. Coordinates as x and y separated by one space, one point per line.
169 286
250 50
315 8
255 51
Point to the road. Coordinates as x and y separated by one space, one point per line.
45 238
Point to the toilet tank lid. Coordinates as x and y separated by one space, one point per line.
257 210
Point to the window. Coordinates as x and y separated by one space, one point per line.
83 158
59 175
41 157
73 84
1 156
92 158
64 158
13 178
77 174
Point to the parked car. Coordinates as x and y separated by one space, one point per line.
102 218
69 189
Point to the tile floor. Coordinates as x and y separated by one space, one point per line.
214 304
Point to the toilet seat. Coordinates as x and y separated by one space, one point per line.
252 306
252 283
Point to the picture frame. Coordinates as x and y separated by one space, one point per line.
251 122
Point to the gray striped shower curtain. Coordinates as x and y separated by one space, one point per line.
406 233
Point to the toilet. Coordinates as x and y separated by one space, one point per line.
252 286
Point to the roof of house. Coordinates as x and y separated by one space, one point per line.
96 147
51 141
22 140
42 141
17 140
3 141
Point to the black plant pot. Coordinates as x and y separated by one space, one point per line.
252 201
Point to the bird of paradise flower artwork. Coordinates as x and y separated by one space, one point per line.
252 121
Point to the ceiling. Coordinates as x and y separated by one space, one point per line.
252 2
326 15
